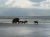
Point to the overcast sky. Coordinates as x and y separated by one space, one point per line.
24 7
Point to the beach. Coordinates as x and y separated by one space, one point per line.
24 30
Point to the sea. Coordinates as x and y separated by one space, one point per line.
7 29
30 19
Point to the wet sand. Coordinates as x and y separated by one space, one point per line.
24 30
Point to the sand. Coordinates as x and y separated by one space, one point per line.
24 30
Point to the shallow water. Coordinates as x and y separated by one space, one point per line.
25 30
30 21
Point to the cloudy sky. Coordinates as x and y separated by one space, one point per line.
24 7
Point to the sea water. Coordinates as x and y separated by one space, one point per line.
30 21
28 30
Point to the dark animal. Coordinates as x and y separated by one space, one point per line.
23 22
15 20
19 22
36 22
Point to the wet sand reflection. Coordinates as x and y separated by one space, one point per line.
41 30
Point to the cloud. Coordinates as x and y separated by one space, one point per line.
19 3
8 2
45 4
36 5
25 8
2 2
39 4
37 0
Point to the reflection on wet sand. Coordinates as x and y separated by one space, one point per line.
25 30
